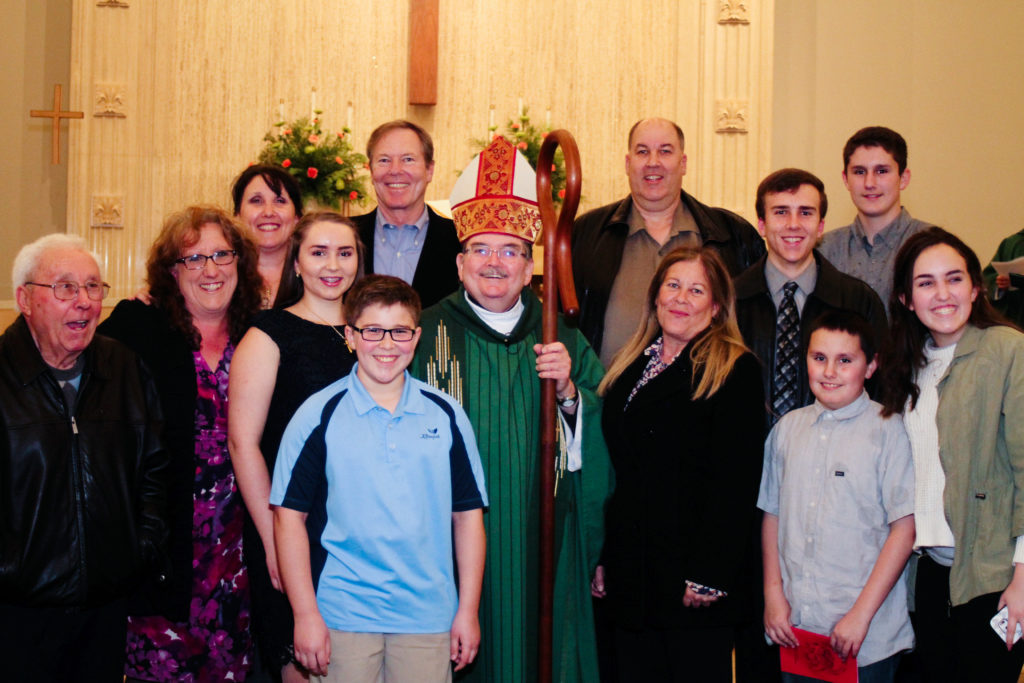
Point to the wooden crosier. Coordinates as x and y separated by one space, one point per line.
558 286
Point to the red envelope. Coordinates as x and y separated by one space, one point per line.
814 657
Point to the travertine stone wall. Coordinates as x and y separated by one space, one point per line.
179 93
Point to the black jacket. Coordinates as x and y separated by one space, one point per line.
168 355
686 479
81 496
834 290
436 275
599 237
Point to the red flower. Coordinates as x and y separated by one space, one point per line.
314 138
544 135
515 126
286 163
312 172
341 135
522 145
286 131
552 168
561 194
338 161
353 195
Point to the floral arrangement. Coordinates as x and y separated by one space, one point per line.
528 138
327 168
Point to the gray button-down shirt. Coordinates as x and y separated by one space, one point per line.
849 250
836 479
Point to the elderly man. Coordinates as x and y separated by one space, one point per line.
403 236
482 345
81 469
617 247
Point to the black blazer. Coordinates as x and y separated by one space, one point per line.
686 481
436 275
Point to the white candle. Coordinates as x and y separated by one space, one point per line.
280 109
312 105
348 116
490 123
547 118
520 107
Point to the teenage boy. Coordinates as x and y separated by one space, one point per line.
837 491
778 297
875 172
382 472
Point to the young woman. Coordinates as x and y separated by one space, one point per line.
955 369
287 355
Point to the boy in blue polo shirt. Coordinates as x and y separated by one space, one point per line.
837 491
382 472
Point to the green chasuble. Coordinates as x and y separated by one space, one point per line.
494 377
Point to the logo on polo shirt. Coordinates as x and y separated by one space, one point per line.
431 433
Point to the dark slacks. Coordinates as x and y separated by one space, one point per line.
674 655
957 644
53 644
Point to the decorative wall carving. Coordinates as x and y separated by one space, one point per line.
731 116
107 212
733 12
108 101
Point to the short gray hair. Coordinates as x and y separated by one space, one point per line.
27 261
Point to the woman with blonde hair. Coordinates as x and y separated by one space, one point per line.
684 422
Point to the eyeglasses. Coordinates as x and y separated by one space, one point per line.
483 252
224 257
66 291
376 334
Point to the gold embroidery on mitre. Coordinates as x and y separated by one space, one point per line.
497 168
507 215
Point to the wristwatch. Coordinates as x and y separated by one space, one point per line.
569 400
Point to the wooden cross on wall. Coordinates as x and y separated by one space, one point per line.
56 115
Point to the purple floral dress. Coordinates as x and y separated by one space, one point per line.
215 644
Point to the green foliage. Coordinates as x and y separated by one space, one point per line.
528 138
327 168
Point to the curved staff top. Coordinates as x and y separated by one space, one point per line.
558 286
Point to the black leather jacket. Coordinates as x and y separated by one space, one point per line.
599 236
81 496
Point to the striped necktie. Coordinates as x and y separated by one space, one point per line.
787 354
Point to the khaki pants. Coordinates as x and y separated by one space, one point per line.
388 658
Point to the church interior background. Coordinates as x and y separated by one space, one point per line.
177 95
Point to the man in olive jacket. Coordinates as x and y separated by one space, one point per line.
81 474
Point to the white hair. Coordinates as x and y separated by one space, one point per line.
27 261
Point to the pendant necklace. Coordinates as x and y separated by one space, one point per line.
318 317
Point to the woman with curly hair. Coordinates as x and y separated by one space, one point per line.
202 277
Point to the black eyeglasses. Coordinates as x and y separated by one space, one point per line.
376 334
224 257
66 291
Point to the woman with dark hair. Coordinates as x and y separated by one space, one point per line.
268 201
684 422
289 353
204 287
955 369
